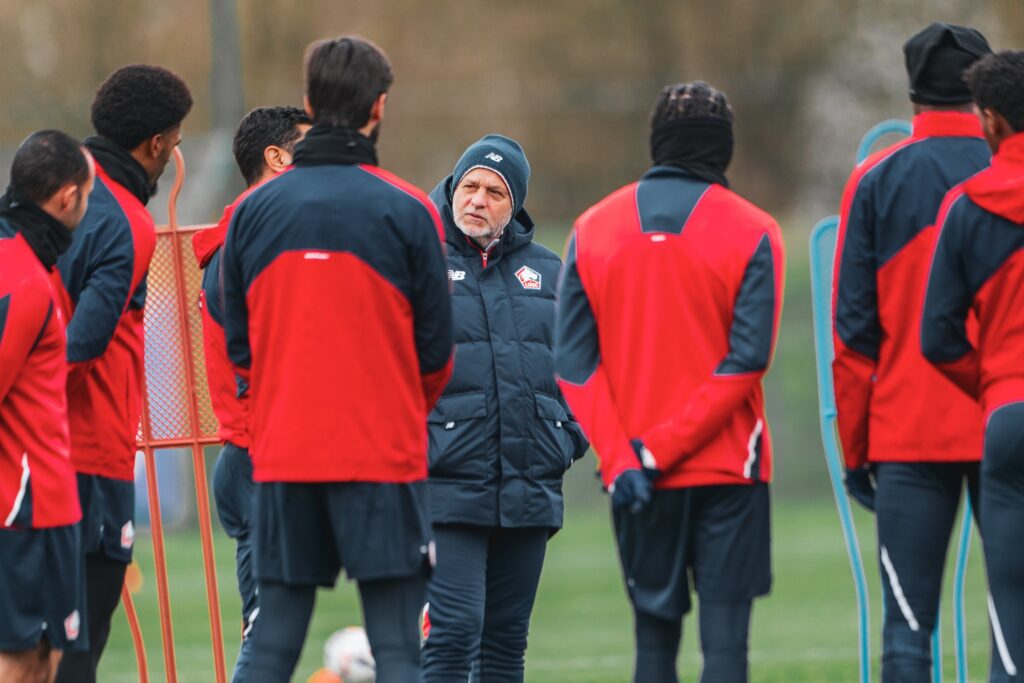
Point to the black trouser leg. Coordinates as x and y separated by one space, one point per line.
724 633
279 633
1002 509
916 508
103 580
391 610
657 648
515 558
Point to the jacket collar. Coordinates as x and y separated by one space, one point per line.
121 167
327 145
1000 187
933 124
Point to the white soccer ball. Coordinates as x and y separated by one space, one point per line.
347 653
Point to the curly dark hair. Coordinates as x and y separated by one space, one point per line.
690 100
46 161
138 101
996 82
344 77
261 128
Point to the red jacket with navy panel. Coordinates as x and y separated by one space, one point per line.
888 396
337 302
221 374
978 275
37 481
668 315
104 278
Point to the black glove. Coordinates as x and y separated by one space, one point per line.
631 491
860 484
645 459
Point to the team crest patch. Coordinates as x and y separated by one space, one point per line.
72 625
128 535
528 277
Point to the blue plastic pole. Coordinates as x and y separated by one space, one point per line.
959 625
823 239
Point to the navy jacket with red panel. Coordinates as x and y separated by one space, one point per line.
37 481
978 275
887 394
337 301
668 315
104 277
222 376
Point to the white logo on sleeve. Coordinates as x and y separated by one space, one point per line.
456 275
528 278
128 535
72 625
496 158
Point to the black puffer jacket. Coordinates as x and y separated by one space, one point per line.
501 436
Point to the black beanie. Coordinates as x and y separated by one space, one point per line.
502 155
936 59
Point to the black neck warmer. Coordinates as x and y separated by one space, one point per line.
122 167
329 145
48 237
700 146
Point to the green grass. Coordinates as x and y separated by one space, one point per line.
581 630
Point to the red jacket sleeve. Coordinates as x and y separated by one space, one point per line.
582 377
752 336
857 331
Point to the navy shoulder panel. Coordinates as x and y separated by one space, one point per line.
907 187
103 236
752 331
992 240
577 350
666 200
334 208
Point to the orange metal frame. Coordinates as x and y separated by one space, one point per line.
196 442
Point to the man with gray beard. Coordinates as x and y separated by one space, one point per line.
501 436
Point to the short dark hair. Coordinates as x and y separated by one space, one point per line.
996 82
690 100
138 101
46 161
262 127
344 77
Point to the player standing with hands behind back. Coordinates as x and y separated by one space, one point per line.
668 314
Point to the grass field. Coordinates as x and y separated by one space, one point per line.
581 630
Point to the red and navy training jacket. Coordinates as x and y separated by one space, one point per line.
221 374
37 481
337 301
668 315
978 274
888 396
104 279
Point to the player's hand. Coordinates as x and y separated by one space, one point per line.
645 459
631 490
860 484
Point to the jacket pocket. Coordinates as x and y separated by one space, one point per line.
457 438
554 448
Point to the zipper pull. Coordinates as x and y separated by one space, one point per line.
483 257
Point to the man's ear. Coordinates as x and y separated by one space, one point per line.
308 107
276 158
377 110
68 197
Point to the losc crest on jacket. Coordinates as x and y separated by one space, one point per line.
501 436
